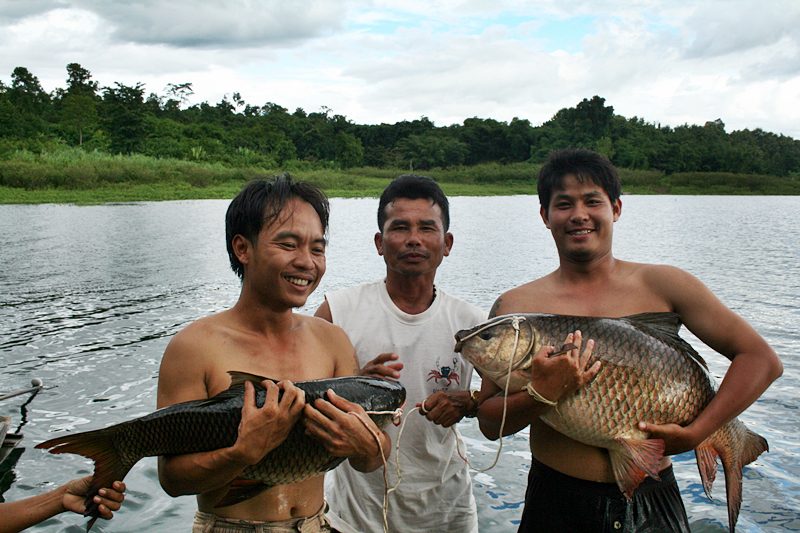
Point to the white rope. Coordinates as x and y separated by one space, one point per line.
397 415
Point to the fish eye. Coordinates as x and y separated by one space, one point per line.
485 335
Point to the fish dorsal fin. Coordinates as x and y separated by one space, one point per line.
235 389
665 326
238 378
666 322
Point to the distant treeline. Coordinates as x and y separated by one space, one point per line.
124 120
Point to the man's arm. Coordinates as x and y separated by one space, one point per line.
324 312
181 378
754 364
68 497
448 408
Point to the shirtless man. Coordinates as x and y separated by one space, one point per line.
275 233
579 192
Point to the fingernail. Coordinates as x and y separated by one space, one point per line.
102 492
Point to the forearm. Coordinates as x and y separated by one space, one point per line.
745 381
373 461
197 473
521 411
22 514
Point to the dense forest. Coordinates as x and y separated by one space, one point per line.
124 120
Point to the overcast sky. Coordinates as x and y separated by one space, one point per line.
670 62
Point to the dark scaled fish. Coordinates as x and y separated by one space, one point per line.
210 424
649 373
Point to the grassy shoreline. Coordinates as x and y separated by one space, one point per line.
184 191
74 176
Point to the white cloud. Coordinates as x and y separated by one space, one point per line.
392 60
230 24
737 26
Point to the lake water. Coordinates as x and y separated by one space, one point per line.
90 296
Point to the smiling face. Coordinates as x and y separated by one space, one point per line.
413 241
581 216
287 261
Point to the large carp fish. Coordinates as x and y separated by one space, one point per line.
210 424
648 373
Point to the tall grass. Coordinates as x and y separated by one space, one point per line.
74 175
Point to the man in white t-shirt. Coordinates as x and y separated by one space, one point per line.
402 328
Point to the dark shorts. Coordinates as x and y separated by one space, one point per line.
555 502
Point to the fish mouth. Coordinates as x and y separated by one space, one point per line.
459 336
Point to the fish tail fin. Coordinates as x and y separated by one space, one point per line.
633 460
706 457
737 446
108 465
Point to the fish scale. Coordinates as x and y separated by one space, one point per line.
677 392
648 373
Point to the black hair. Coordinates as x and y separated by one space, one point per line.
584 165
259 204
413 187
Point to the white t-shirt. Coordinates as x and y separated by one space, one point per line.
436 489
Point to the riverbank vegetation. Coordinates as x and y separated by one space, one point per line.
84 143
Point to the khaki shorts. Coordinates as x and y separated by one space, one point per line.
211 523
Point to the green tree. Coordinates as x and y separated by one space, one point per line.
26 92
124 117
432 149
177 95
78 114
79 80
30 104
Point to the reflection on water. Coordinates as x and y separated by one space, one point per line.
89 297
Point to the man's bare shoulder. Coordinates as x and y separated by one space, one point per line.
523 298
189 360
198 333
336 343
323 329
665 279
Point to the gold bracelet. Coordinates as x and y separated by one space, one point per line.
474 395
538 397
472 411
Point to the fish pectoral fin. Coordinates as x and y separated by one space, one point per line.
241 489
707 465
633 460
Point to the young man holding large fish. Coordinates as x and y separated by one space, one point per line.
275 232
600 455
